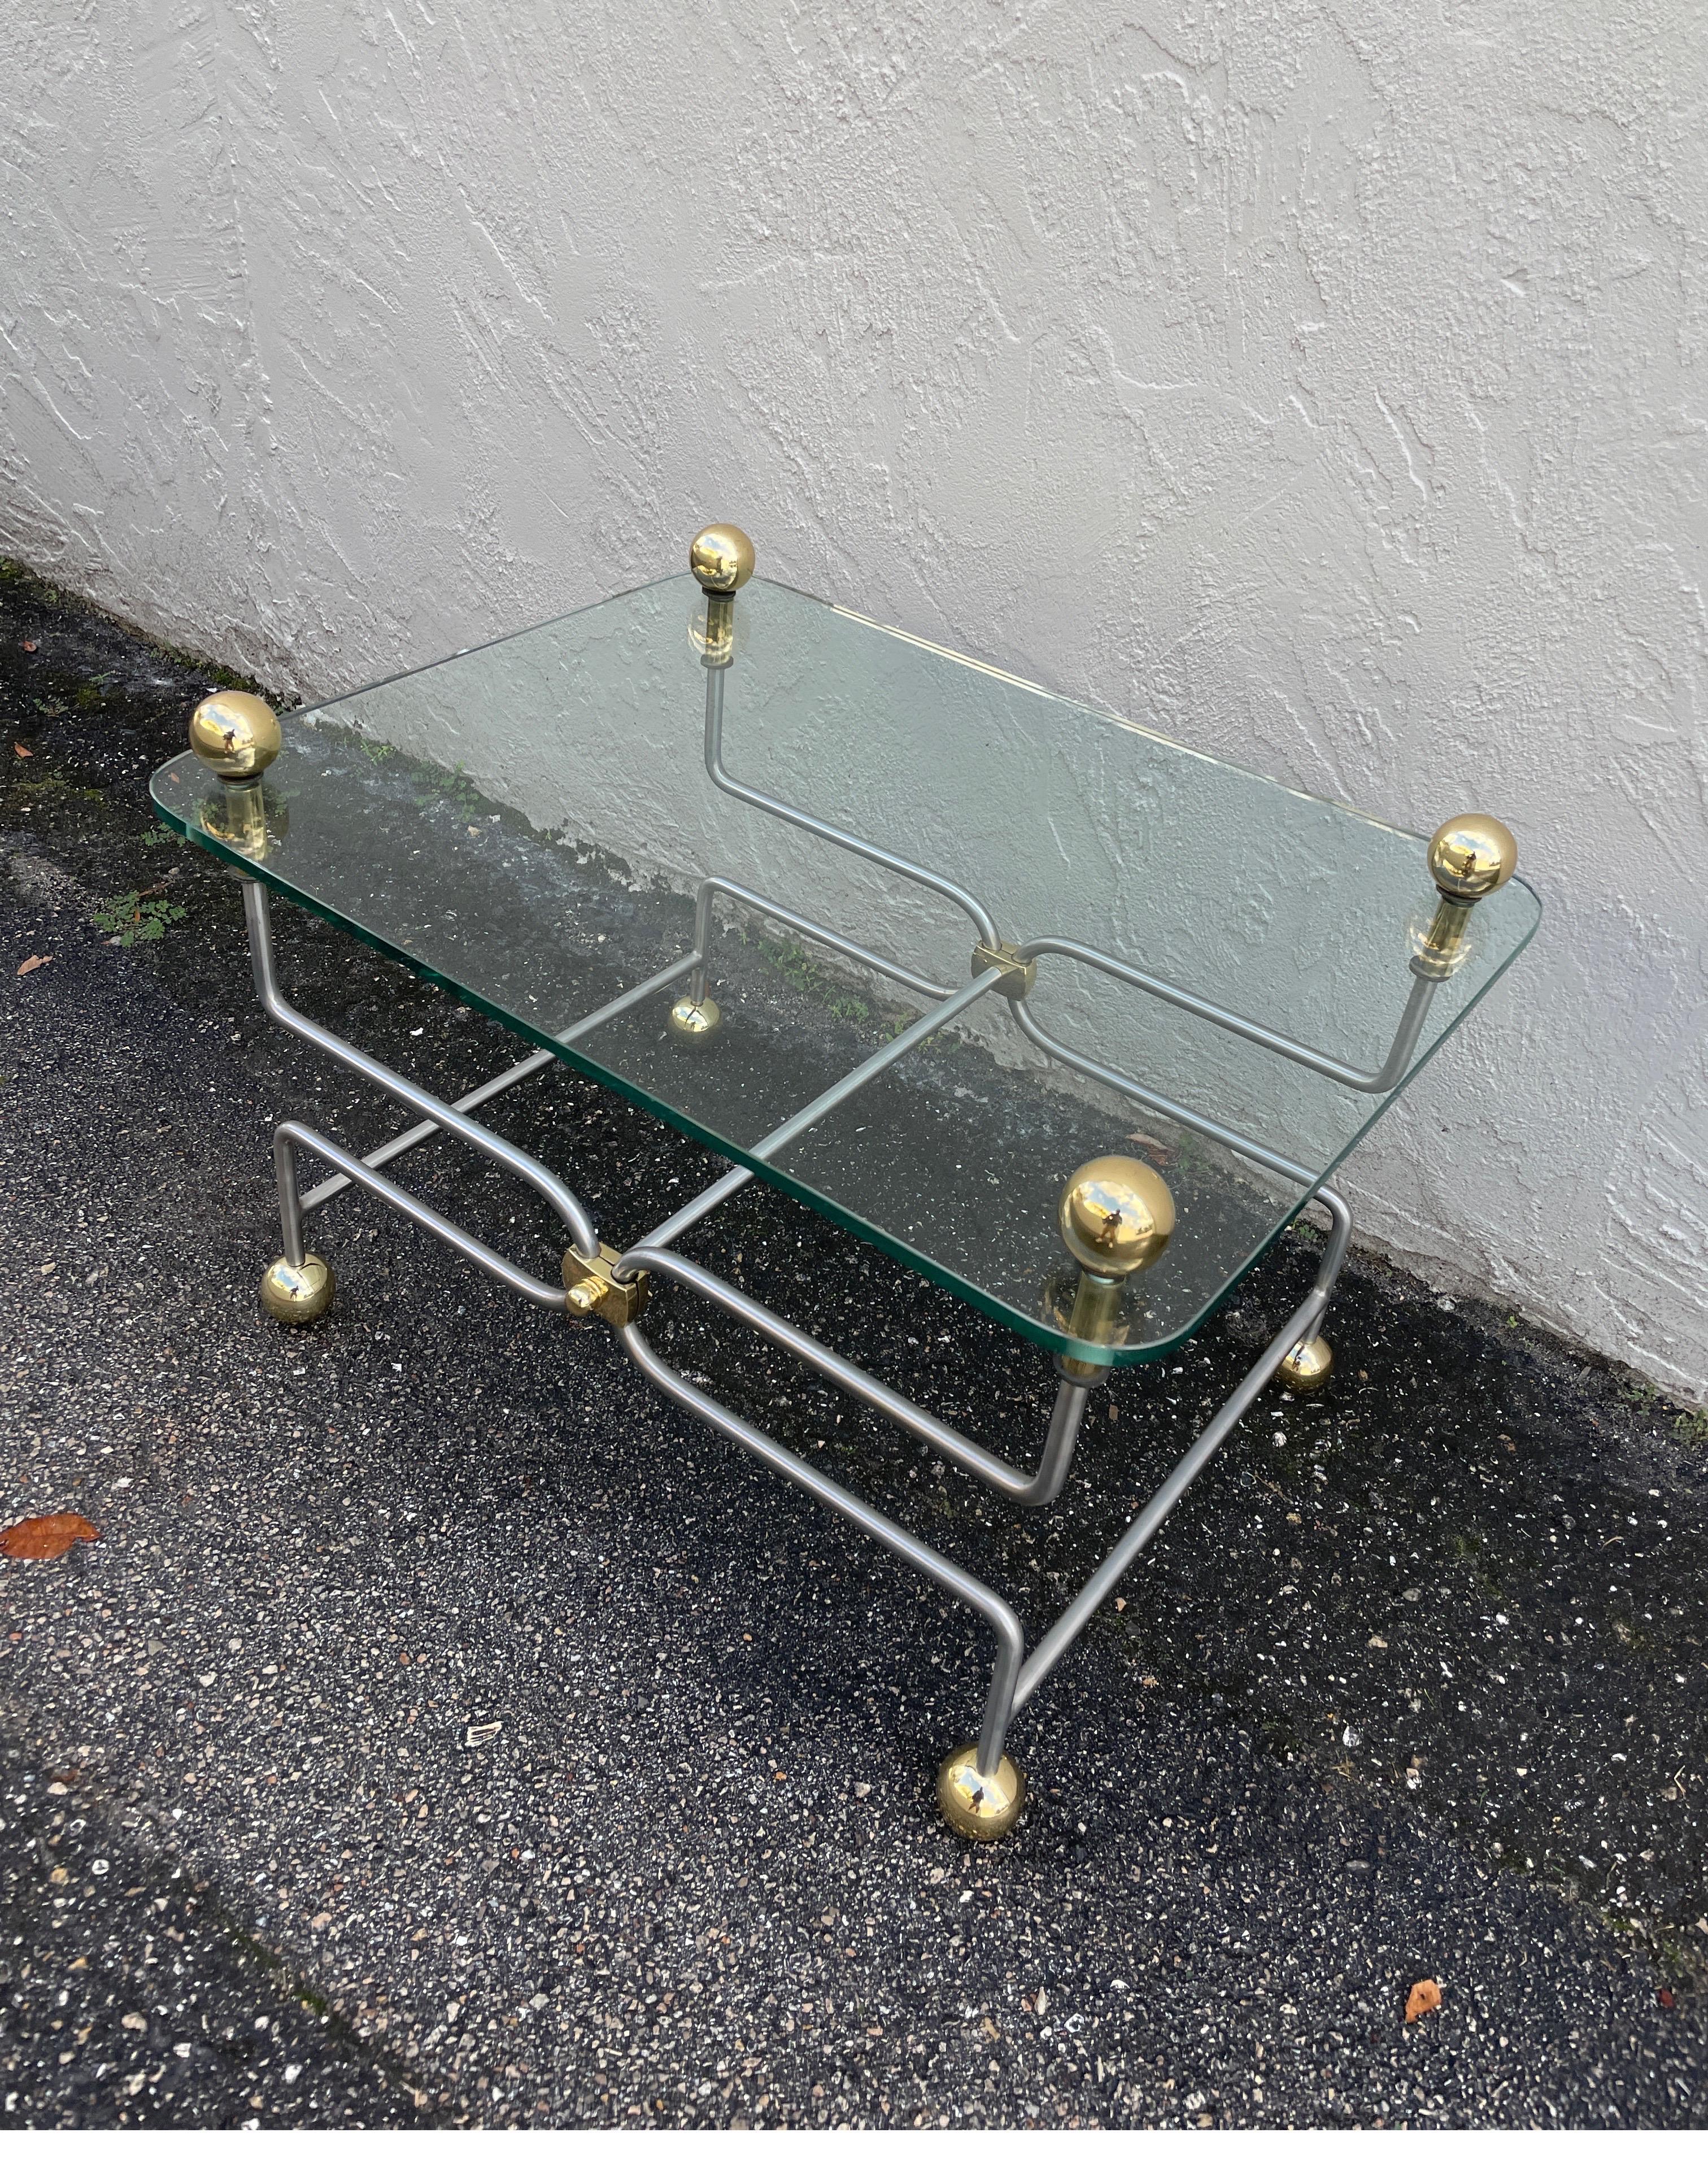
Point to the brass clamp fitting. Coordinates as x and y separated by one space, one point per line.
1018 976
592 1290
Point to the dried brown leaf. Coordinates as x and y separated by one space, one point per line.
47 1537
1423 1998
19 750
34 962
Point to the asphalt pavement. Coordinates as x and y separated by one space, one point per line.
445 1731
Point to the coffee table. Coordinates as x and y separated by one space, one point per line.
910 939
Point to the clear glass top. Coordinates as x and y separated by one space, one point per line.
548 823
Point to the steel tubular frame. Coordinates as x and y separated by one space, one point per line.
716 668
1015 1673
980 1788
519 1073
567 1205
1382 1079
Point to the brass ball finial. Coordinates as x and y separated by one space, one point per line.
721 558
235 734
1472 857
1116 1215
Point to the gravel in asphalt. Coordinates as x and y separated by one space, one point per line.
445 1731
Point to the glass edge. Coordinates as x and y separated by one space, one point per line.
470 650
1091 712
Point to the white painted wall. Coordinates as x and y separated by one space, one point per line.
1324 385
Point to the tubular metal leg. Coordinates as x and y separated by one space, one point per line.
1072 1395
511 1076
289 1198
290 1134
1035 1491
1011 1640
1048 1652
774 911
1162 1504
978 1773
702 944
567 1205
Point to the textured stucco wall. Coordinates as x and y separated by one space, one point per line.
1324 385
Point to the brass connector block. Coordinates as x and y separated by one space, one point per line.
1444 945
1018 977
592 1289
245 818
716 634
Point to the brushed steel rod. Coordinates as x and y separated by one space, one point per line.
1036 1490
290 1135
478 1096
1011 1640
825 936
1383 1079
816 826
1300 1326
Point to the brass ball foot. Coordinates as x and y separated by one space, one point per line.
297 1294
980 1806
1305 1367
694 1022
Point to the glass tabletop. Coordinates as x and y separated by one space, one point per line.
587 828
